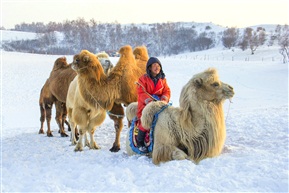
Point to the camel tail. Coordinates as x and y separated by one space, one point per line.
149 111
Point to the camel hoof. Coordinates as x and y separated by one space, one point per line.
64 135
77 148
41 131
114 149
49 135
179 155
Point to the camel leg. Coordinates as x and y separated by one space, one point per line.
79 145
73 134
64 117
92 127
58 118
76 133
164 153
48 108
118 125
93 144
86 141
117 109
66 123
42 119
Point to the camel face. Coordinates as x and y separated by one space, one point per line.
84 60
210 88
60 63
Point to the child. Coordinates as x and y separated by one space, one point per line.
151 86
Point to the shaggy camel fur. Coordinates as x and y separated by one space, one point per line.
47 99
141 57
100 92
195 130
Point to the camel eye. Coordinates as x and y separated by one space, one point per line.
215 84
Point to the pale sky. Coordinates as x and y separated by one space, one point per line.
227 13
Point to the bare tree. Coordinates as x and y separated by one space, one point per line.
283 41
230 37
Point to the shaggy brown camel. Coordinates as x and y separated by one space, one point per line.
47 99
196 130
101 92
46 102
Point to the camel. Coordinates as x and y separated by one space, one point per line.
117 112
100 92
47 99
196 129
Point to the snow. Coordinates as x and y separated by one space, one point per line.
254 159
17 35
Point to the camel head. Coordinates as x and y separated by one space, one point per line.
105 62
86 62
141 53
60 63
209 88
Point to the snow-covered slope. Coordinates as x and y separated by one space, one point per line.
254 159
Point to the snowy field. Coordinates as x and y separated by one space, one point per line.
254 159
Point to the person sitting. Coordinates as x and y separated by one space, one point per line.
151 86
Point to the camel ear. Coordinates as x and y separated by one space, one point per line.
86 58
198 82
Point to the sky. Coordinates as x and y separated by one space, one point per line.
227 13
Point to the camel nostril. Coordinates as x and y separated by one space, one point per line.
230 87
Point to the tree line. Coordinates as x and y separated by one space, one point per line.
71 36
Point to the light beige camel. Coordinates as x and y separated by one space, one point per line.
100 92
195 130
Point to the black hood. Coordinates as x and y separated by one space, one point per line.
150 62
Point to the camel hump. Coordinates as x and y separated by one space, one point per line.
141 53
131 111
102 55
125 50
149 111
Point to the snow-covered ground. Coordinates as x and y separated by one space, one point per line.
255 156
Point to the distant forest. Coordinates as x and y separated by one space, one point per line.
69 37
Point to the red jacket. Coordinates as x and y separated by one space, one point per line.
161 89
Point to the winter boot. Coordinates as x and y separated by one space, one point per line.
140 141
